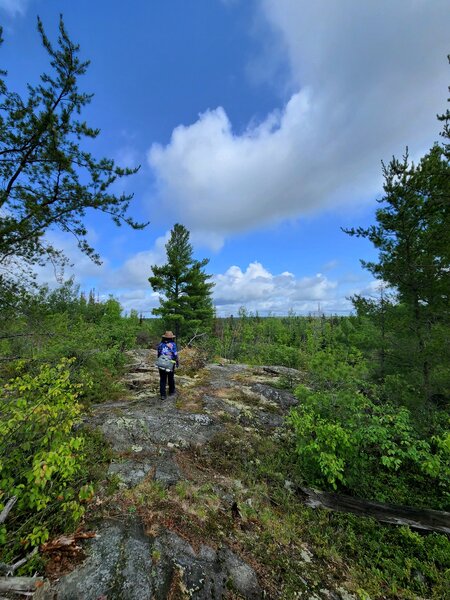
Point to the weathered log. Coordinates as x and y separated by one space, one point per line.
20 584
5 512
416 518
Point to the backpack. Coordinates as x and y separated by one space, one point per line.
165 363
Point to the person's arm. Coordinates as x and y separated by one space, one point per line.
175 355
158 349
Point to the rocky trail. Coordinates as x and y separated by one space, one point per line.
152 537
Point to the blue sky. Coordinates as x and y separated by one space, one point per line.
260 125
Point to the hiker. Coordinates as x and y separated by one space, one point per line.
166 362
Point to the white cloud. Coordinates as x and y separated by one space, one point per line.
369 79
259 290
256 287
79 264
127 282
14 7
135 271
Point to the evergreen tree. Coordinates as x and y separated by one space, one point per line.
46 179
185 301
412 236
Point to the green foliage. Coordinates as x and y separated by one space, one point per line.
185 301
49 325
353 430
379 561
260 340
324 448
40 456
337 368
343 439
411 236
48 179
60 351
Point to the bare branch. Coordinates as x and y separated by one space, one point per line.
5 512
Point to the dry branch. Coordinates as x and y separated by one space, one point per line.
23 561
196 335
5 512
67 542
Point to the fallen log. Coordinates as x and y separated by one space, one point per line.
20 584
416 518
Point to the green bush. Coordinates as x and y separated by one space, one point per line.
344 439
40 455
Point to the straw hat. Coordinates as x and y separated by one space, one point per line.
168 335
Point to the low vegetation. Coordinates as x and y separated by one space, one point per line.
273 524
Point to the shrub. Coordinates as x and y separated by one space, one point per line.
40 455
342 438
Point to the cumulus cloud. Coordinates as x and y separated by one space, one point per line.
135 271
259 290
368 79
255 287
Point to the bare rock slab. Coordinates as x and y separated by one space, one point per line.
124 564
146 426
284 399
118 567
204 574
133 470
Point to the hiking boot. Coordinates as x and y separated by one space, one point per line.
163 397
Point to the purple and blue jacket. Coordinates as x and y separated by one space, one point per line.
168 349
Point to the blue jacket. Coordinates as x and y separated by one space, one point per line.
168 349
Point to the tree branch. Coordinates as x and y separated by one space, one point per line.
5 512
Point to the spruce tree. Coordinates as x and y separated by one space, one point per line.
185 290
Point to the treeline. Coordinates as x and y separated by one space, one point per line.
46 325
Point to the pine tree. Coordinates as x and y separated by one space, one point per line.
47 179
185 300
412 238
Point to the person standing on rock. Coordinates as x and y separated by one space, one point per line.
166 362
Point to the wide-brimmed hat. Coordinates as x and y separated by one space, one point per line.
168 335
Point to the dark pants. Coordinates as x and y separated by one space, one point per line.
163 377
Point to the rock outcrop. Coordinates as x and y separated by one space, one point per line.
132 560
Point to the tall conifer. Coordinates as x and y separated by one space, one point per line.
185 292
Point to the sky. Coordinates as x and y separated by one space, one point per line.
260 125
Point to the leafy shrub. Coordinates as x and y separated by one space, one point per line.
345 439
338 367
40 455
